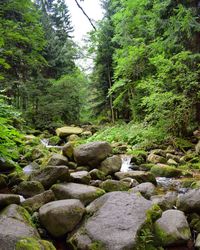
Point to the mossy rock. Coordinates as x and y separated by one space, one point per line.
54 140
113 185
165 171
31 243
146 166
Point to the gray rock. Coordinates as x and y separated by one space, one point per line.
140 176
92 154
116 220
80 177
67 130
172 228
84 193
15 224
113 185
57 160
50 175
61 217
8 199
68 150
147 189
34 203
153 158
165 202
197 242
96 174
130 181
189 202
111 165
29 188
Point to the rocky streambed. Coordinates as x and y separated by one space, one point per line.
87 198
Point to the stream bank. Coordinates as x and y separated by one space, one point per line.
104 191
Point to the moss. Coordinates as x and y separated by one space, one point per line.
161 238
166 171
31 243
99 192
96 245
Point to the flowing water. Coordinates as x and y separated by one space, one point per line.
126 163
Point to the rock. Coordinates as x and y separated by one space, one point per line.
173 157
15 178
6 166
80 177
147 189
29 188
197 242
130 181
197 148
7 199
153 158
50 175
30 168
66 131
34 244
165 202
172 162
113 185
96 174
140 176
194 220
61 217
189 202
34 203
86 134
92 154
73 138
15 224
84 193
95 183
68 150
3 183
114 222
172 228
57 160
111 165
159 152
72 165
166 171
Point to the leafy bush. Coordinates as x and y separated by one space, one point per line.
133 134
10 137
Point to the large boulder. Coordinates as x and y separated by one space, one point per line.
114 185
166 201
140 176
147 189
189 202
50 175
29 188
114 222
172 228
8 199
92 154
67 130
15 224
34 203
166 171
81 177
111 165
57 160
84 193
61 217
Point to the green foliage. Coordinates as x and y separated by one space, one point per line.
10 138
154 59
134 134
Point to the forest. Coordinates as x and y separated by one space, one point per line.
141 96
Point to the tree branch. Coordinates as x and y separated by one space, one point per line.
89 19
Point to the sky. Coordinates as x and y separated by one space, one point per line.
79 21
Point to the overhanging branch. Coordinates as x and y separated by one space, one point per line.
89 19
